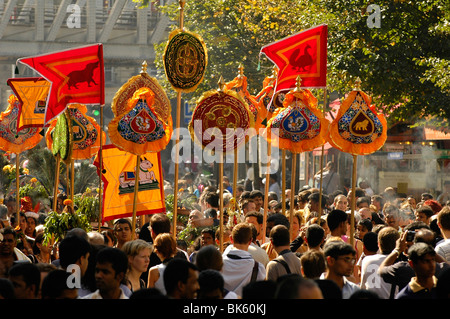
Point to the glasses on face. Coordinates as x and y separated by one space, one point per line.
348 260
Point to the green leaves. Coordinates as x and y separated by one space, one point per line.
56 225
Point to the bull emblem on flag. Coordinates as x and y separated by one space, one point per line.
147 178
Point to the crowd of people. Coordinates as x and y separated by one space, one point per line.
398 248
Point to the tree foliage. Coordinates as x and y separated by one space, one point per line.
403 64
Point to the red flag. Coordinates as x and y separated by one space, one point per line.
76 76
303 54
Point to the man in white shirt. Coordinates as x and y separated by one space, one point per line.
370 279
239 267
443 221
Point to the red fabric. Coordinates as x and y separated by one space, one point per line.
303 54
77 76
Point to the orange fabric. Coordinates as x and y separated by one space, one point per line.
118 196
239 84
32 95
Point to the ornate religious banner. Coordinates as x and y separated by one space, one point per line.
125 93
299 126
139 128
358 129
185 59
221 120
11 140
118 176
85 133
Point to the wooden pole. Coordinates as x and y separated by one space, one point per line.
266 193
235 173
100 162
177 146
353 199
321 160
291 204
18 187
72 179
221 208
283 181
136 192
55 191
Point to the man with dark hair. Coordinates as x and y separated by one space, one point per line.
26 279
363 202
211 284
370 279
239 267
313 201
337 221
378 201
74 250
286 262
422 258
314 236
212 200
294 286
258 197
123 231
110 271
423 214
313 263
395 269
54 286
9 253
257 219
341 259
181 279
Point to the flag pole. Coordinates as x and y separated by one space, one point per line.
100 163
17 188
266 191
221 208
177 146
292 204
55 191
353 199
321 162
235 173
283 181
136 191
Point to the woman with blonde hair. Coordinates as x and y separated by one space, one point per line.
138 252
165 248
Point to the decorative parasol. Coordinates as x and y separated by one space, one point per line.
142 122
14 141
358 130
221 122
298 126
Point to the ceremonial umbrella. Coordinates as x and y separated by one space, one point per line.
358 130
